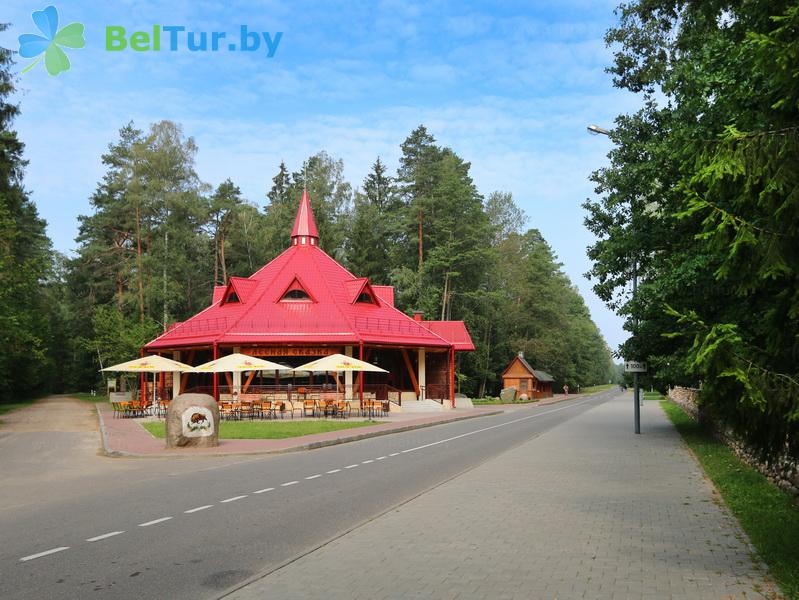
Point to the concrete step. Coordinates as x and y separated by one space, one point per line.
413 406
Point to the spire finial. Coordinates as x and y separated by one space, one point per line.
304 232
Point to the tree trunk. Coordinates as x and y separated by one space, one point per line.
222 258
421 258
216 256
139 265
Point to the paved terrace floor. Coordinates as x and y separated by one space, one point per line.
585 510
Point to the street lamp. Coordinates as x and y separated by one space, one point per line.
597 130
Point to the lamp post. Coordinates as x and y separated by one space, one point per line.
597 130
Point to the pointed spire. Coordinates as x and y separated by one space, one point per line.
304 232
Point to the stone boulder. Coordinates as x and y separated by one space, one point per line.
508 394
192 421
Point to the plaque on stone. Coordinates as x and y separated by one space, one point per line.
192 420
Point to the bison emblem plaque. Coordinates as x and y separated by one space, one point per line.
197 421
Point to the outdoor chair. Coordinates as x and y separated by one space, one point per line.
227 411
309 408
267 409
246 410
342 409
258 409
291 408
279 409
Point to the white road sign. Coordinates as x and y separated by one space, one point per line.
632 366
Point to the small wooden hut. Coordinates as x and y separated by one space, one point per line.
528 381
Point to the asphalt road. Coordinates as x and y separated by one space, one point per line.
173 528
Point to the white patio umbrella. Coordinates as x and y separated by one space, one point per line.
150 364
237 364
339 363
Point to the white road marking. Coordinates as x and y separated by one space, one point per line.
366 462
288 483
314 476
154 522
334 471
351 466
233 499
263 490
394 454
97 538
381 457
45 553
468 433
198 509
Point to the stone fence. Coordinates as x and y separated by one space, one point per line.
782 471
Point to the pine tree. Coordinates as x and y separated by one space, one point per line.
24 262
373 232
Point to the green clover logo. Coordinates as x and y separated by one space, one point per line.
32 45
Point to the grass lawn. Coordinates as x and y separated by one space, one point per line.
767 514
88 397
498 401
598 388
267 430
653 395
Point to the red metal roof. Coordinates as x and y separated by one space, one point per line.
329 315
454 332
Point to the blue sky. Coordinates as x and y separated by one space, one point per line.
510 89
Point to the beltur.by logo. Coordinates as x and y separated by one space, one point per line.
172 38
48 45
175 37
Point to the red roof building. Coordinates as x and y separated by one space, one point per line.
304 304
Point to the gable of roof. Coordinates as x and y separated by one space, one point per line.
241 287
539 375
361 285
294 285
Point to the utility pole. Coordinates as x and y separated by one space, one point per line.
597 130
636 391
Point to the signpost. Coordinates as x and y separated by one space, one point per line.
635 367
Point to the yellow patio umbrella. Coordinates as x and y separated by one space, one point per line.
237 364
150 364
339 363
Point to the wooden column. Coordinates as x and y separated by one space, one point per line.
142 382
411 374
452 375
360 374
216 375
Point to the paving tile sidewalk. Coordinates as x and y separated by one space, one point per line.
586 510
126 437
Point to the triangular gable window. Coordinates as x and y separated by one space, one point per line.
366 295
296 292
230 297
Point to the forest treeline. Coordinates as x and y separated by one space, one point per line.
701 199
158 239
